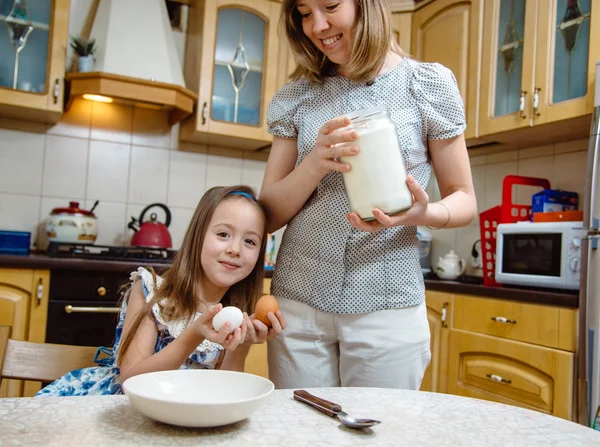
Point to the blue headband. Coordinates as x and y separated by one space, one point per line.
242 193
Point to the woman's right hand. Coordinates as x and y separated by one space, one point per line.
324 158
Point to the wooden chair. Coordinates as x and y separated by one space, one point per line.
43 362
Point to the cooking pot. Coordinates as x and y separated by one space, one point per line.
72 225
151 233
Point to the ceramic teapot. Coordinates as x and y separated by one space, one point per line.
450 266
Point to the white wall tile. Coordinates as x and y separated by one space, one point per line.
180 220
108 169
111 222
19 212
569 172
21 160
132 210
187 179
111 122
47 205
478 175
151 128
495 174
465 237
223 171
444 241
148 175
76 121
65 167
253 172
540 167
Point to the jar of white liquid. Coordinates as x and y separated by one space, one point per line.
377 176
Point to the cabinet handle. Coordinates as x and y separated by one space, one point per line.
504 320
92 310
204 107
39 291
444 314
56 91
497 378
536 101
101 291
522 114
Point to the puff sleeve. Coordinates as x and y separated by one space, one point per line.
438 99
281 114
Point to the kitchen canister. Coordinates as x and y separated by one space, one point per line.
377 176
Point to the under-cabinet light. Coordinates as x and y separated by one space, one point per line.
97 98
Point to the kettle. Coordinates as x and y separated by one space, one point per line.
450 266
151 233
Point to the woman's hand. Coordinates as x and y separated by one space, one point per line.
416 215
204 327
324 157
257 332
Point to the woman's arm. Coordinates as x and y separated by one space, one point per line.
236 360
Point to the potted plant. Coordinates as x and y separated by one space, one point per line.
85 50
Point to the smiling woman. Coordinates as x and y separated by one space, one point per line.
353 291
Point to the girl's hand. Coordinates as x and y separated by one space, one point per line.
414 216
257 332
324 157
204 327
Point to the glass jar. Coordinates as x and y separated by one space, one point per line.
377 176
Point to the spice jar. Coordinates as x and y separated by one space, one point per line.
377 176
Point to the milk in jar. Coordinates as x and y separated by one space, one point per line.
377 178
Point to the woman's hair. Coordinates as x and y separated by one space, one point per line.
177 294
373 40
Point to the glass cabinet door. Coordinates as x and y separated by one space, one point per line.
237 89
24 44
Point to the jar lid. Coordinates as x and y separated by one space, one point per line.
73 209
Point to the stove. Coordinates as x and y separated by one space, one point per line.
109 252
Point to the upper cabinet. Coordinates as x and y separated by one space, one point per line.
447 31
231 61
33 45
537 62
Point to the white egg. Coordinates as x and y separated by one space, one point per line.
229 314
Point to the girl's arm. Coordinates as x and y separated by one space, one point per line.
285 190
236 360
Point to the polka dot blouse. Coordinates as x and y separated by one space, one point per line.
322 260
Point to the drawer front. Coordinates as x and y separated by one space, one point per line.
541 325
511 372
73 285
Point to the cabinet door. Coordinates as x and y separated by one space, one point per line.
402 29
568 47
33 46
15 299
508 65
511 372
239 67
438 314
431 42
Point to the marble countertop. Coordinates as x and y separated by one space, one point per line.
408 418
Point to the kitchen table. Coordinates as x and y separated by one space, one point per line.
409 418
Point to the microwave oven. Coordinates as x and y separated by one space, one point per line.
539 254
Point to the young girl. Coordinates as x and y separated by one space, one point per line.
166 323
352 291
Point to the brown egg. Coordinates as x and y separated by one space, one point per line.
266 304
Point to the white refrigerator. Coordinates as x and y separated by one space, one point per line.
588 366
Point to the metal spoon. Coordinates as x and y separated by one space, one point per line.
331 409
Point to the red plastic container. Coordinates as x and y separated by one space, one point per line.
507 212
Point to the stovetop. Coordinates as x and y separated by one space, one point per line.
109 252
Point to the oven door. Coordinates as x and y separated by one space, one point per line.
84 323
530 256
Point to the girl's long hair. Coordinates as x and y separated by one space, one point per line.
373 40
177 293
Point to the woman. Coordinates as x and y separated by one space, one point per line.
352 291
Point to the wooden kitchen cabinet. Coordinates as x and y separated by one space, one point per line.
538 61
32 78
439 307
448 32
24 306
232 54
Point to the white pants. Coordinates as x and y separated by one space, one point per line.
384 349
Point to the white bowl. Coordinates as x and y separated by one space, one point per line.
197 397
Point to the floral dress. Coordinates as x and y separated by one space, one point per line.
104 378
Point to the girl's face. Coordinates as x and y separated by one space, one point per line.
232 242
329 25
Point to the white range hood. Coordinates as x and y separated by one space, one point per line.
136 59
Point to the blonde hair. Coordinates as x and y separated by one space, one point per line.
177 293
373 41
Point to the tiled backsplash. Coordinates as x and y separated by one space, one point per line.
125 157
563 164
